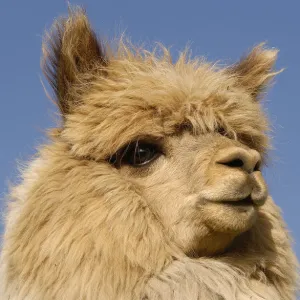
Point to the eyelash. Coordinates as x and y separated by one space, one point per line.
136 154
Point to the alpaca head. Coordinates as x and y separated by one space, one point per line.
186 138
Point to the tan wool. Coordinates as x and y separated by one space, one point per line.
151 187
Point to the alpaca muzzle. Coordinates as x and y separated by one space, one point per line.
237 179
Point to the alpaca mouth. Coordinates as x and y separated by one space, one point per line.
245 205
243 202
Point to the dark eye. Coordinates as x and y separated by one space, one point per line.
222 131
136 154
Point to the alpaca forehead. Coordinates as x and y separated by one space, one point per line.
157 113
166 101
167 91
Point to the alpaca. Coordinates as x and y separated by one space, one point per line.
151 187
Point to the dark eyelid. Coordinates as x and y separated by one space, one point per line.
148 139
118 157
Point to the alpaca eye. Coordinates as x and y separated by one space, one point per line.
222 131
136 154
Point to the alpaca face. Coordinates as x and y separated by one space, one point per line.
206 189
187 137
183 145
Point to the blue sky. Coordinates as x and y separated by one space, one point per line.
219 30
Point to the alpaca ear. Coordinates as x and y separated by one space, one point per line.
70 49
255 71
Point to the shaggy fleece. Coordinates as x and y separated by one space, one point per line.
151 186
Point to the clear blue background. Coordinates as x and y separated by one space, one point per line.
216 29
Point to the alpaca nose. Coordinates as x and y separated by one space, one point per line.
248 160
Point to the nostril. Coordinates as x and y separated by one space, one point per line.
248 160
235 163
257 166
